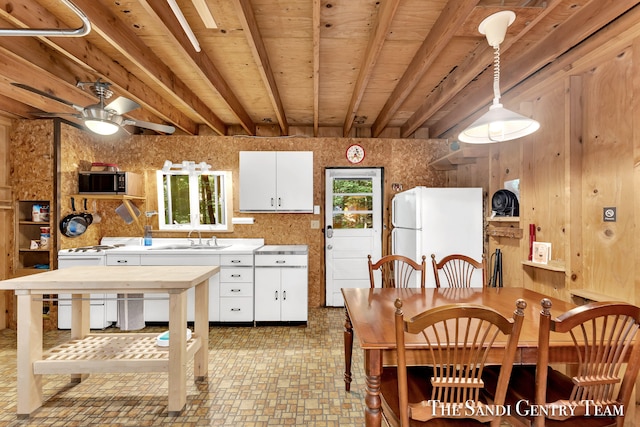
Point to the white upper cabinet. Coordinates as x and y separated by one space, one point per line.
276 181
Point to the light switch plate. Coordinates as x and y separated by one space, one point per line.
315 224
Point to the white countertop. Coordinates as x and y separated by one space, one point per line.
167 246
283 250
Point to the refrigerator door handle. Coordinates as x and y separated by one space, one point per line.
393 241
394 201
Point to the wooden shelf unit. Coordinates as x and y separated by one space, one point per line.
503 219
463 156
26 230
553 265
110 352
508 229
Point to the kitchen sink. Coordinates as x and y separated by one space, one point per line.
185 246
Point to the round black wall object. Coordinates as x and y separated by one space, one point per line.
505 203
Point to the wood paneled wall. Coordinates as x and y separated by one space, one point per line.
584 158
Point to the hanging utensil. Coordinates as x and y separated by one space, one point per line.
96 216
86 214
74 224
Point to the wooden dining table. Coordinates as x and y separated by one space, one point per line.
105 352
369 314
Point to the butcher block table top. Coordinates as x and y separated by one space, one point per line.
133 279
101 353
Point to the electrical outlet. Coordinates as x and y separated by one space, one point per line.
315 224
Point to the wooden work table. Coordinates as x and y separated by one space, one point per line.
106 352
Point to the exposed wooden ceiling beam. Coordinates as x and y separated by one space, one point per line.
261 57
450 20
473 65
15 108
316 66
584 23
31 15
376 41
128 44
203 64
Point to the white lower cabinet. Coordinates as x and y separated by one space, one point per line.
236 288
281 287
156 306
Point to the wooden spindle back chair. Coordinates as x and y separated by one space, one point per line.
459 270
397 271
460 339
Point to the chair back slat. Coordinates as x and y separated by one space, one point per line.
458 270
460 338
396 271
603 335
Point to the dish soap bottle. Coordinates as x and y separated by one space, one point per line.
147 235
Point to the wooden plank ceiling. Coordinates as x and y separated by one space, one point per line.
364 67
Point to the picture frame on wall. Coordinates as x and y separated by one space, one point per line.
541 252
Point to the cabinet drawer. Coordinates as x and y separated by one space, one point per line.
164 259
236 309
123 260
236 289
236 260
281 260
236 275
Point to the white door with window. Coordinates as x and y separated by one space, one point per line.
353 228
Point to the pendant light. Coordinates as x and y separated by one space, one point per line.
498 124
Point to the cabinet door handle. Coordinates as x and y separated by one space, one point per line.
284 295
236 275
235 290
280 261
276 295
279 201
236 261
122 261
235 309
272 201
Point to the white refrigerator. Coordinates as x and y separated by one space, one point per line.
440 221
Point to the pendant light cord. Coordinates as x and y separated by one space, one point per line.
496 74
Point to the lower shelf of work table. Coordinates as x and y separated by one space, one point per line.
103 353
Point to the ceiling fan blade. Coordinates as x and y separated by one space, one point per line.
153 126
48 95
56 114
122 105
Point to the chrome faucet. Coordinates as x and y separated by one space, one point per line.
213 241
199 237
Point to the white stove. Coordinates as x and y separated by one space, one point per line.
103 307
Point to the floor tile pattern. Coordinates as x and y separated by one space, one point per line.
258 376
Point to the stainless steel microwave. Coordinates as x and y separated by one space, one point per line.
110 182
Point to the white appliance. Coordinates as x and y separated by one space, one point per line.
103 310
440 221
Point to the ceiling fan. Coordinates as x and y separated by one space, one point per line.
100 118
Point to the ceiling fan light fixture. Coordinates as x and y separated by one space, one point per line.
498 124
101 121
101 127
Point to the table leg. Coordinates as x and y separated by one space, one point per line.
177 351
201 329
29 350
348 350
80 324
373 371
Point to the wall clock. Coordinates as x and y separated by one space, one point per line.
355 153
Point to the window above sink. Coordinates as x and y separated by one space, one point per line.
192 197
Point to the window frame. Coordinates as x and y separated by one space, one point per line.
226 195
